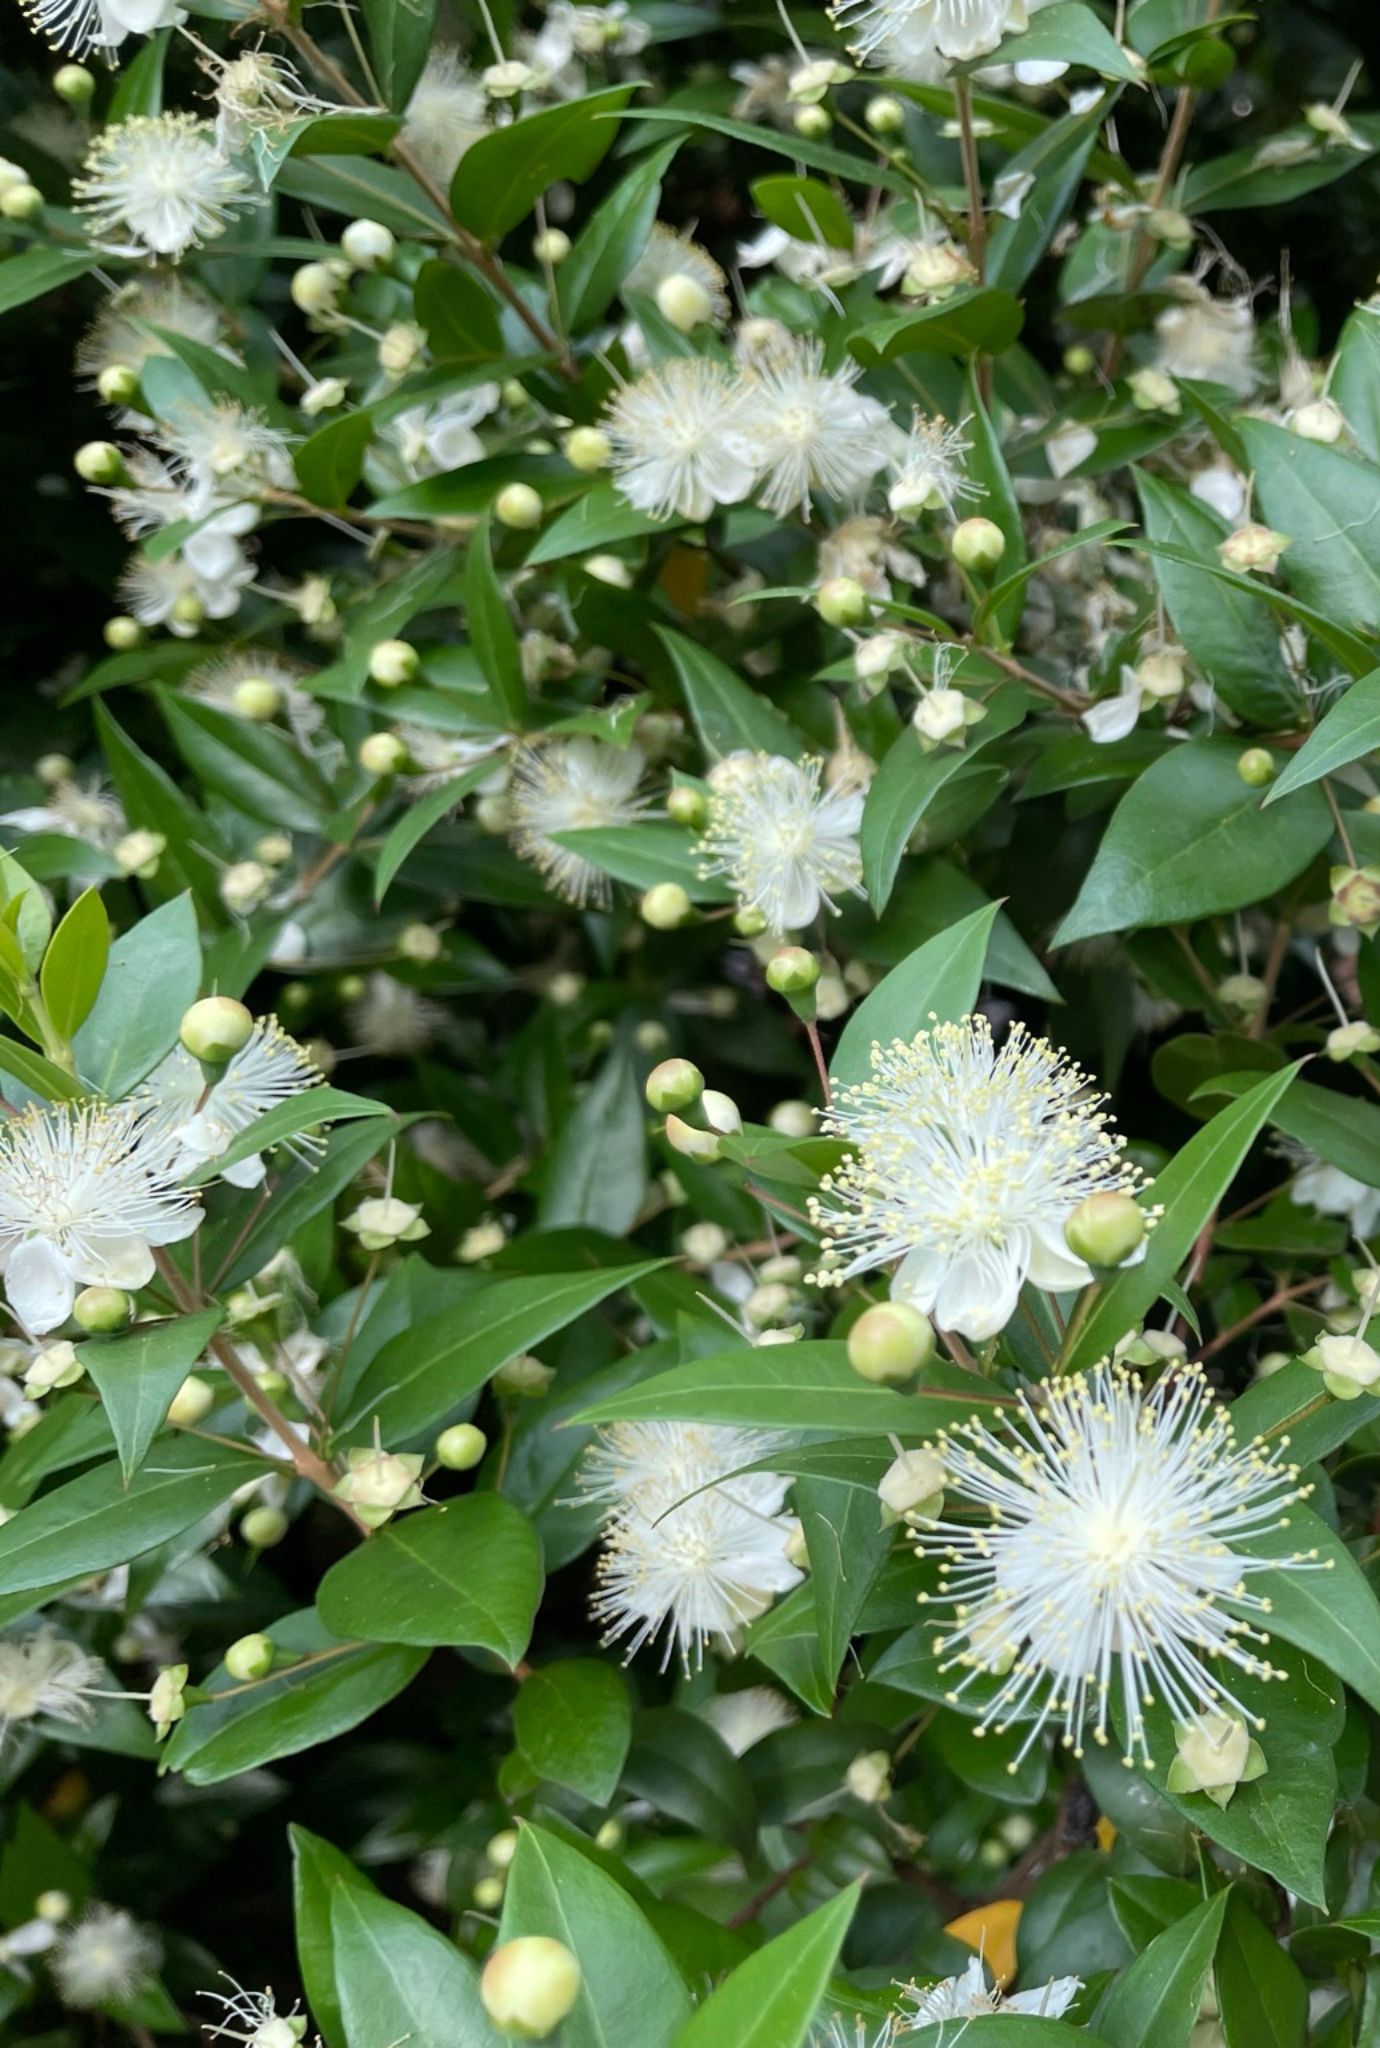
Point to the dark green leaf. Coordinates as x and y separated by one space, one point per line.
503 175
1327 503
460 317
939 982
153 976
608 247
573 1724
137 1376
74 964
467 1574
770 2000
329 462
909 780
400 33
727 713
398 1979
493 635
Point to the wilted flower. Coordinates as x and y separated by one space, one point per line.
784 842
160 182
445 114
687 1548
129 330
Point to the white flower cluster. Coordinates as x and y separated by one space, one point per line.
785 843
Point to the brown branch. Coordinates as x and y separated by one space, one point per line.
1281 1297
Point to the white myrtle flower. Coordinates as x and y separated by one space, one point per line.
103 1959
86 1194
253 2019
1099 1540
568 785
46 1675
126 334
78 810
809 429
680 441
200 1123
1316 1185
967 1997
913 31
967 1161
224 453
444 116
744 1718
784 842
667 255
393 1020
687 1547
78 27
430 439
156 592
157 185
928 469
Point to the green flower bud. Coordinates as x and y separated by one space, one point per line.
488 1894
1079 360
529 1986
250 1657
1256 767
890 1343
419 943
368 244
683 302
687 806
393 663
502 1848
122 634
461 1447
215 1029
257 699
885 115
812 124
587 449
99 462
551 246
524 1376
118 385
666 907
1105 1228
75 84
101 1309
194 1399
261 1528
674 1084
382 754
793 971
978 545
842 601
749 923
518 506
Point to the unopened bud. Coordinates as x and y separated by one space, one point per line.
53 770
587 449
551 246
399 348
674 1084
368 244
793 971
885 115
524 1376
666 907
315 289
890 1343
102 1309
74 84
122 634
529 1986
215 1029
54 1906
978 545
21 202
749 922
99 462
684 302
419 943
461 1447
794 1119
139 853
1080 360
1256 767
721 1112
382 754
250 1658
686 805
261 1528
1319 421
257 699
393 663
194 1399
812 124
868 1777
842 601
700 1147
518 506
1105 1228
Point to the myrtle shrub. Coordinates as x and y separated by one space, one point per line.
691 1011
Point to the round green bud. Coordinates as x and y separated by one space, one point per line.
351 987
502 1848
1105 1228
1079 360
812 123
666 907
528 1986
99 462
118 385
551 246
250 1657
890 1342
885 114
261 1528
842 601
1243 992
488 1894
257 699
1256 767
978 545
587 449
382 754
687 806
683 302
460 1447
122 634
610 1837
188 610
21 202
524 1376
518 506
53 1906
749 923
194 1399
672 1085
393 663
102 1309
793 971
215 1029
419 943
75 84
368 244
1207 64
53 769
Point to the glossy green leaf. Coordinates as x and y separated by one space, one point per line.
1329 505
816 156
771 1998
492 633
1188 1191
847 1546
399 1979
1190 839
1056 160
153 976
42 1077
727 713
37 270
1355 380
1261 1992
1349 731
304 1112
408 831
630 1991
137 1376
909 780
606 249
319 1871
938 982
255 767
643 855
981 321
460 316
1329 1610
573 1723
503 174
74 964
597 1172
806 208
330 462
684 1769
400 33
1154 2003
465 1574
1069 33
320 1687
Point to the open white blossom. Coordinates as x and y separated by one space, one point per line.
1099 1542
257 91
967 1997
45 1674
744 1718
253 2019
568 785
78 810
809 429
1329 1190
224 452
680 441
125 334
86 1194
428 439
445 114
912 32
157 593
968 1160
80 26
156 185
928 469
393 1020
687 1548
784 842
856 2033
201 1123
103 1959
